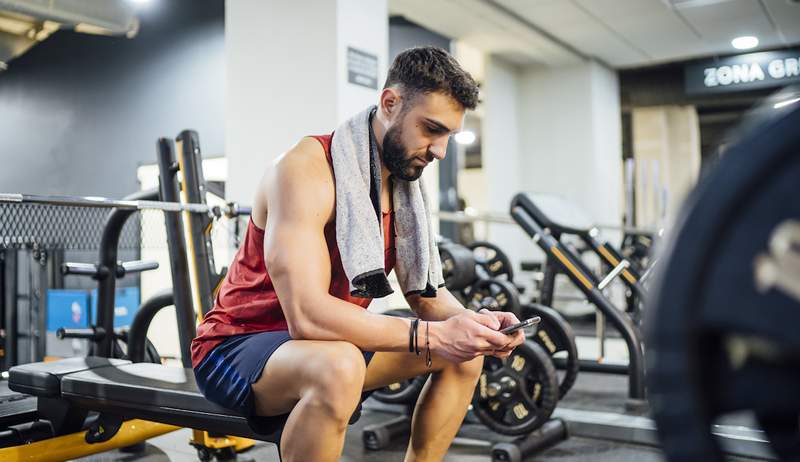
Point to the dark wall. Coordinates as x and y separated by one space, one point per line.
79 113
664 85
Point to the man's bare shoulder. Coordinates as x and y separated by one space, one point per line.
305 159
302 174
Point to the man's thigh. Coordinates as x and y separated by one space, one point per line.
291 369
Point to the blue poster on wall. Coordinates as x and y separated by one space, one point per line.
67 308
126 303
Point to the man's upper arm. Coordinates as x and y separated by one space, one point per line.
301 198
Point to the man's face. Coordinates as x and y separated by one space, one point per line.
419 134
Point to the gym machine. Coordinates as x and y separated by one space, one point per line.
120 390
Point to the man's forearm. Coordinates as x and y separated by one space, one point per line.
438 308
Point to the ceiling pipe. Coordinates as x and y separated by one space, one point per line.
101 16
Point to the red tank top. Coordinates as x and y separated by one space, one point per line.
246 301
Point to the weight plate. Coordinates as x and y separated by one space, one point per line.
555 335
458 266
516 395
496 295
403 392
150 353
491 262
723 316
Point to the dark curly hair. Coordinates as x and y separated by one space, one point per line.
421 70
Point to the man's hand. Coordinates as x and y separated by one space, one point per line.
515 339
465 336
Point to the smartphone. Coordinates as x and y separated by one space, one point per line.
521 325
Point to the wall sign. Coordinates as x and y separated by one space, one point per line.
362 68
743 72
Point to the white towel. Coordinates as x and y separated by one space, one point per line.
359 230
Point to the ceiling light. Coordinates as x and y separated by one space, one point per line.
465 137
140 2
785 103
745 42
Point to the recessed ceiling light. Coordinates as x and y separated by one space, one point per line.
465 137
745 42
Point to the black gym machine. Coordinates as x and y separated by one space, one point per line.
111 391
546 227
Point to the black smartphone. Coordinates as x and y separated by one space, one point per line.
526 323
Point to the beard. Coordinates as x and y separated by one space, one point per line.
396 157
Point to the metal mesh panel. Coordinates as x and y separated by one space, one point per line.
65 227
44 226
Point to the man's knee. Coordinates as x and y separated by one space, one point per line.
340 365
338 379
469 370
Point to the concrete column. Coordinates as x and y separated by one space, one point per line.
554 130
287 76
666 148
501 151
572 137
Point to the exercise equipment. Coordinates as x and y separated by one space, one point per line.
494 295
41 428
491 262
133 203
722 326
546 218
516 395
458 266
555 336
119 390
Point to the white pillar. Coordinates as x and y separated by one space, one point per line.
572 137
502 152
287 76
553 130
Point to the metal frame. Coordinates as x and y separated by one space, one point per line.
132 202
206 278
612 258
178 258
587 283
10 306
106 271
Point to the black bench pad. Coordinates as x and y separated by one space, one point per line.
159 393
556 213
44 378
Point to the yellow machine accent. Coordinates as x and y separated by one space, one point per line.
571 267
74 445
204 439
614 262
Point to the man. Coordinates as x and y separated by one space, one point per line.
288 339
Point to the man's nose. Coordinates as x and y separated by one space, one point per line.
438 150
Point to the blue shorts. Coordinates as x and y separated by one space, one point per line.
226 374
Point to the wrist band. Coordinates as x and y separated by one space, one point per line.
416 336
428 359
411 336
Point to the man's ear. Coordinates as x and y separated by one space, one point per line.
391 102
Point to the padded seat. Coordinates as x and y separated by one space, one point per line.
159 393
44 378
555 212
